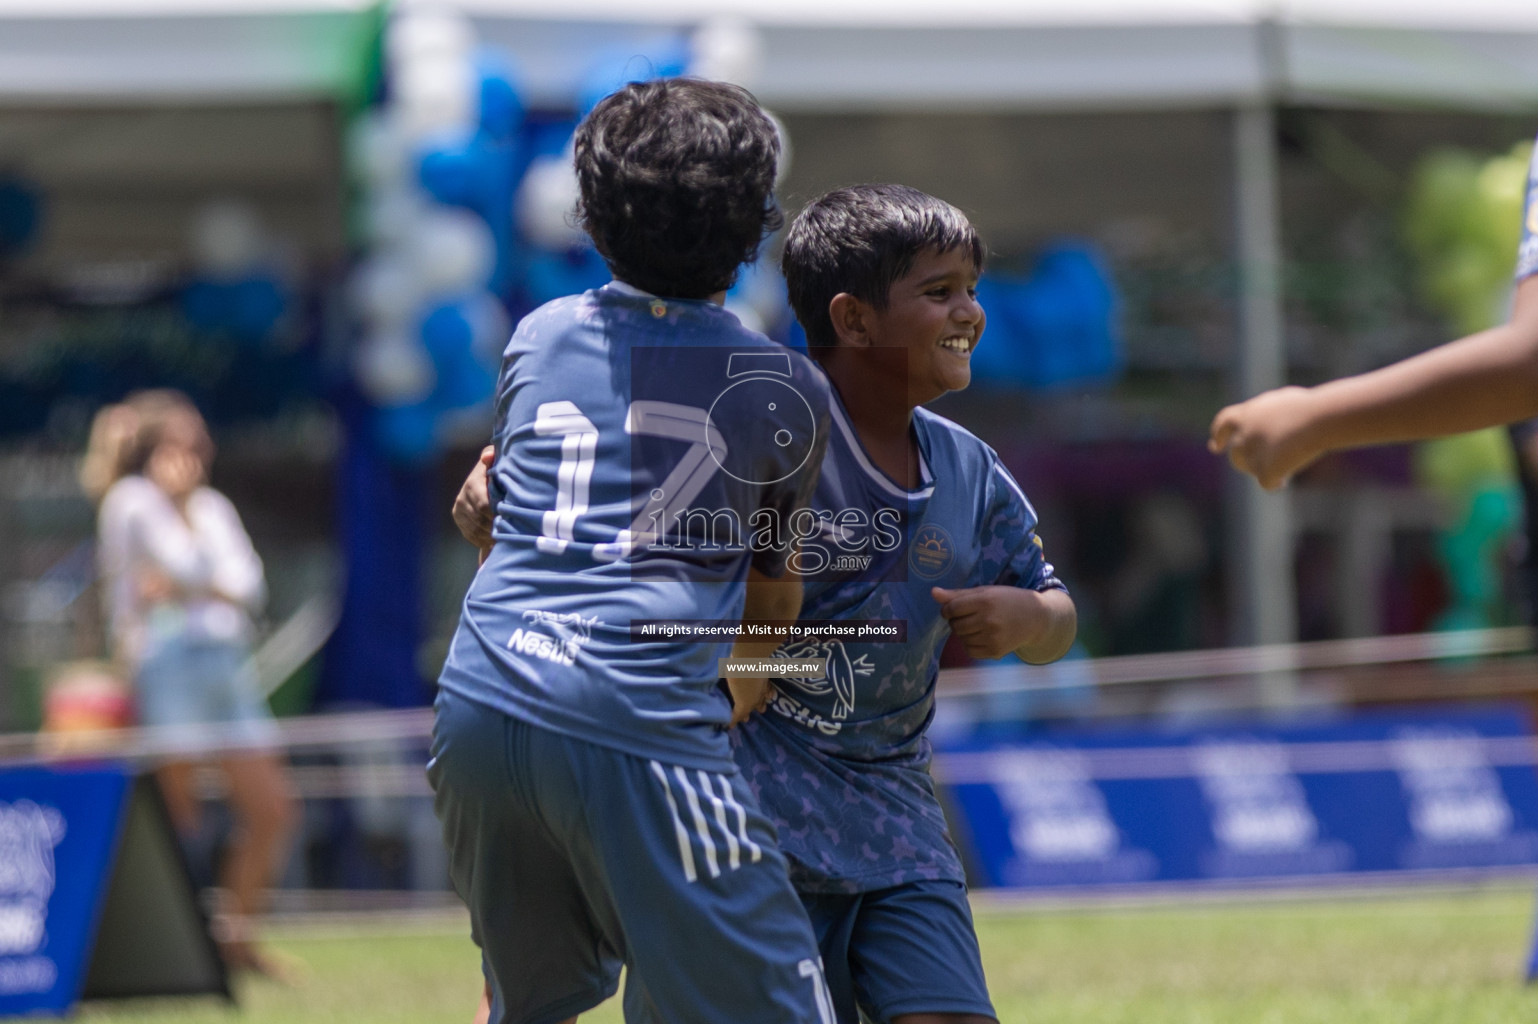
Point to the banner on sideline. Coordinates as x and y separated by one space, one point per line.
1372 793
95 900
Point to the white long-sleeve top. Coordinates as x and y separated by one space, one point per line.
207 554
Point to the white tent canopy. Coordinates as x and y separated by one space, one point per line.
826 54
870 54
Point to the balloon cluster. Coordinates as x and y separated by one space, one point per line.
235 292
559 259
469 210
1053 328
438 163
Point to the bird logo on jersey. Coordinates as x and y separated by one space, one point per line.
839 678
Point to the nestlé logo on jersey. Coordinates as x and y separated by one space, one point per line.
571 631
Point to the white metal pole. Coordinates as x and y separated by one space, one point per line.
1266 606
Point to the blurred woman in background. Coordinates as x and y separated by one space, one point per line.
181 582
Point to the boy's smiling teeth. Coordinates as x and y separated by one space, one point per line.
962 345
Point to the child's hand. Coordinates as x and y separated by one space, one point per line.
473 513
748 696
993 621
1266 436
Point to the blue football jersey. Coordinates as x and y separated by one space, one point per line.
1527 254
841 764
639 442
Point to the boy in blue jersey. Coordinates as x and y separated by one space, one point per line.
882 279
586 787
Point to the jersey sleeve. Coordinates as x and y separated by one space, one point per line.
1012 551
1527 253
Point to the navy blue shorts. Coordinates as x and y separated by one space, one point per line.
908 949
575 858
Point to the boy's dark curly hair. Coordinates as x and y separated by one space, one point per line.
677 183
860 240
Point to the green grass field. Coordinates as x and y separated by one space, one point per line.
1394 959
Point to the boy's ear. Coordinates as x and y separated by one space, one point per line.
851 320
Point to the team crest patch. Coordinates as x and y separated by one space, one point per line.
932 553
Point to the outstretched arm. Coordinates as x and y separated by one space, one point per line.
1480 381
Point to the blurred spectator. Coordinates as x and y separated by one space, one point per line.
181 581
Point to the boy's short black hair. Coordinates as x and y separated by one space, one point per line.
860 240
677 183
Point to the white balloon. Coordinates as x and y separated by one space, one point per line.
453 251
746 315
377 149
227 238
386 292
423 31
727 49
436 95
492 329
783 167
394 370
545 207
391 216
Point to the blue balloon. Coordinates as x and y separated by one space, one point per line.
20 215
408 433
447 333
502 109
618 66
255 307
552 275
462 382
548 138
459 172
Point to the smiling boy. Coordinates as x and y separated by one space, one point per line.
882 279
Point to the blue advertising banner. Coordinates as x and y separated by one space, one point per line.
1376 793
59 835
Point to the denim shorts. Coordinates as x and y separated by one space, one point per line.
200 695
